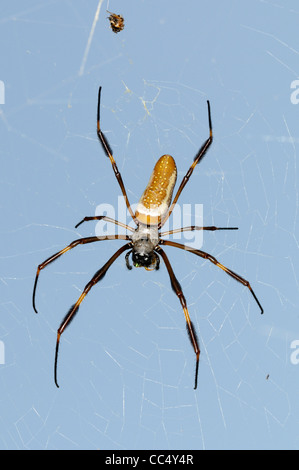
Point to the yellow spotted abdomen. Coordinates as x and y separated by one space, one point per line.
155 201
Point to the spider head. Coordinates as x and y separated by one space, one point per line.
144 260
143 256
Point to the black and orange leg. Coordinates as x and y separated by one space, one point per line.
213 260
80 241
198 157
106 219
109 153
178 290
127 260
192 228
74 309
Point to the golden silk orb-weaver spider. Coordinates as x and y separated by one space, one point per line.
117 23
145 241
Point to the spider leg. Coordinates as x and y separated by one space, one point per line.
74 309
178 290
127 260
198 157
213 260
211 228
80 241
108 151
107 219
157 263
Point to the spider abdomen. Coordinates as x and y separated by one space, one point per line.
156 198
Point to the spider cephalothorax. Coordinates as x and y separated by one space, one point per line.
145 239
144 243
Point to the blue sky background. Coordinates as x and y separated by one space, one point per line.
126 368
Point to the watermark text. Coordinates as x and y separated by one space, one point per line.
295 353
182 216
2 92
2 353
295 94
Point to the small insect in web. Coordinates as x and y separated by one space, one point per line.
117 23
145 241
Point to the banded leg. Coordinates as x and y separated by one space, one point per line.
178 290
74 309
198 157
80 241
108 152
211 228
106 219
127 260
213 260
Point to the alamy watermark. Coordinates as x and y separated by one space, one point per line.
2 353
2 92
295 94
182 216
295 353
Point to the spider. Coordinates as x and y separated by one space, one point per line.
117 23
145 241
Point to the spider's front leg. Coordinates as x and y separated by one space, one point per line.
74 309
178 290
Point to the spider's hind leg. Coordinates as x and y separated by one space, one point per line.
74 309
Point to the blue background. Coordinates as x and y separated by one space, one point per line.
126 367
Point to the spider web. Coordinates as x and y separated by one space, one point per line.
126 368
